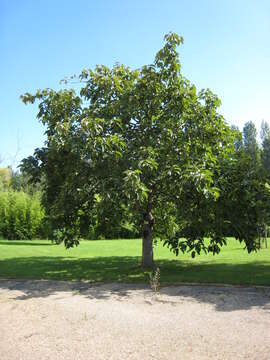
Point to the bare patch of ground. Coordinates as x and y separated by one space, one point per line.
75 320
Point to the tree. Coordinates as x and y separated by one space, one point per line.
250 142
244 201
145 141
265 137
265 130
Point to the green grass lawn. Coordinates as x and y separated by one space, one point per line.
118 260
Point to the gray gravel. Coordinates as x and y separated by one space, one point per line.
75 320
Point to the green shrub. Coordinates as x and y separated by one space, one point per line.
21 215
5 178
36 216
4 212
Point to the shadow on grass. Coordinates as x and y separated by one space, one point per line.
26 243
126 270
96 269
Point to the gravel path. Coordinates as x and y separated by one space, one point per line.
70 321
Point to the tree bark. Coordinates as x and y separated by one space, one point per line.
147 240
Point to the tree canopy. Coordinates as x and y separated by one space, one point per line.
143 143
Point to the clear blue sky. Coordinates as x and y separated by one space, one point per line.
227 48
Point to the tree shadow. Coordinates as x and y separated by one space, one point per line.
29 289
96 269
25 243
103 277
223 298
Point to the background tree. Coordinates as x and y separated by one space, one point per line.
250 142
265 129
265 137
145 142
245 199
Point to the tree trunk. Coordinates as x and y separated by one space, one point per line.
147 240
